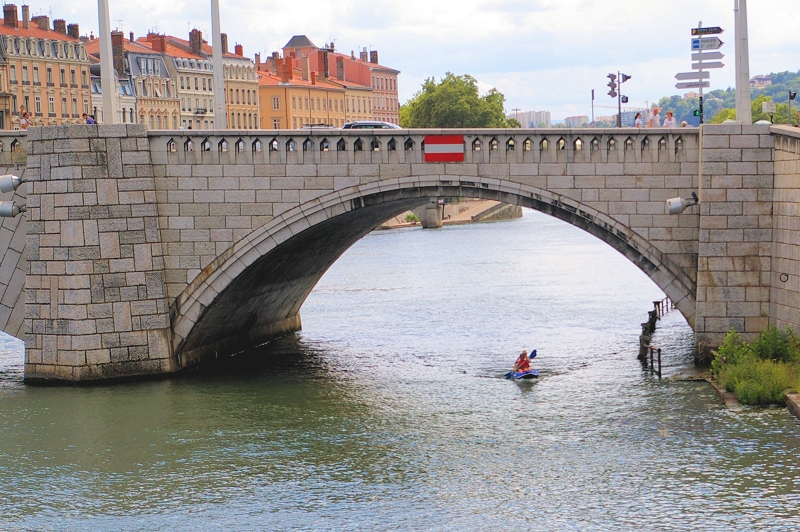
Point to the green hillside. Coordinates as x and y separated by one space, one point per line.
720 104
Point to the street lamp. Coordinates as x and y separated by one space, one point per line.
792 96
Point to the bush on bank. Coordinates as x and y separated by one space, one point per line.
760 372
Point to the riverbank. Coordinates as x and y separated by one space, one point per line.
465 211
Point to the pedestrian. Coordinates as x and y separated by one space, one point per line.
638 121
684 124
89 119
670 121
655 120
25 121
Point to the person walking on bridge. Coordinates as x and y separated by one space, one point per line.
655 120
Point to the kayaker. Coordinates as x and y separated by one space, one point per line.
522 364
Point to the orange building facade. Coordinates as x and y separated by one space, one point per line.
45 73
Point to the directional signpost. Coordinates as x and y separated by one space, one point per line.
716 30
705 58
706 43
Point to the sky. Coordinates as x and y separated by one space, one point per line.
541 54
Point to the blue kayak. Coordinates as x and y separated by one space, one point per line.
518 375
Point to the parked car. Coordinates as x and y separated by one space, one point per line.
370 124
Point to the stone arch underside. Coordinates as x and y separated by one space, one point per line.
254 291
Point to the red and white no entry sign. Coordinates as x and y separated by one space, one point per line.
444 149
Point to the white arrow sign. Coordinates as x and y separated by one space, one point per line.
707 66
693 85
707 56
692 75
706 43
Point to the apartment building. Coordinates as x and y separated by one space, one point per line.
241 87
364 75
289 102
45 72
144 73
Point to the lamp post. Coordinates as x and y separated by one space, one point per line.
744 112
792 96
107 65
216 56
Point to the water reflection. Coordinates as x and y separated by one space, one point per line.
389 411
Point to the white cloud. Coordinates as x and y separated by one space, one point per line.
542 54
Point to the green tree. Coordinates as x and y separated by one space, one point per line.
455 102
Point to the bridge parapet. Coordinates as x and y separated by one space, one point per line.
481 146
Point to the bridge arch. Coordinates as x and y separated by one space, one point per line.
255 289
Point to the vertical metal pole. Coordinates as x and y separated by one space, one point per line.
107 65
659 362
593 106
619 101
219 80
744 112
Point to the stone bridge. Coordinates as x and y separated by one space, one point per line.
148 251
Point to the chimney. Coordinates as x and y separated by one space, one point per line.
258 60
26 17
325 69
363 55
305 67
73 30
283 71
373 57
117 46
313 77
132 39
42 21
223 39
159 42
60 26
239 49
340 68
352 54
10 16
196 41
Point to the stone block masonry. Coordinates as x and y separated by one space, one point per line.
785 279
736 232
96 293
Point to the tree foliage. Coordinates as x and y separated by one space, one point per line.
455 103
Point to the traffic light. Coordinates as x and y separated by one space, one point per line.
697 112
612 85
624 78
624 99
792 94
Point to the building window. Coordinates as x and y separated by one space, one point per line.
49 76
52 105
64 111
63 77
276 123
27 102
294 122
204 83
237 95
131 115
38 103
174 122
36 75
196 85
181 81
151 122
294 107
276 103
13 74
306 99
75 107
86 106
248 97
72 77
25 74
83 78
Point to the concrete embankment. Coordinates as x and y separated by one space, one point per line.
463 212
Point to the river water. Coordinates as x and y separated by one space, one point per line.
389 411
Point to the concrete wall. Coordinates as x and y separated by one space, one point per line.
96 296
735 259
785 285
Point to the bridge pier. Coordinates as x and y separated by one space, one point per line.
96 292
